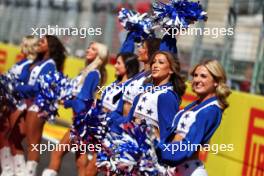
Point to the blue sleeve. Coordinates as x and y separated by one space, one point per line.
128 45
168 43
168 106
27 91
89 86
77 105
24 76
120 106
30 91
207 121
117 118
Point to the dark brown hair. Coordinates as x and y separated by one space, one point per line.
152 45
176 79
131 64
56 51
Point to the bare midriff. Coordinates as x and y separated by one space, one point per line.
106 110
126 108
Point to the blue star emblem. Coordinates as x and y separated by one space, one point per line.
149 111
183 125
144 99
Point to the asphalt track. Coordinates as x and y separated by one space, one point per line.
68 167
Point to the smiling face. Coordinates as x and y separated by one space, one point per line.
43 45
160 68
120 67
91 52
203 83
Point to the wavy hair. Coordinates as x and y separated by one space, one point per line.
131 64
152 45
218 73
99 62
56 51
176 79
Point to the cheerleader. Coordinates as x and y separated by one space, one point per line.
197 122
93 75
162 94
28 52
133 87
126 67
140 29
156 106
51 56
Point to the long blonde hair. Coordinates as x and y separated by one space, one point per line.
218 73
29 47
98 63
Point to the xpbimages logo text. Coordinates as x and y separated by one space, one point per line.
123 89
213 148
194 31
66 31
81 148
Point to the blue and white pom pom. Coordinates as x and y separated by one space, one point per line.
53 88
8 82
131 153
142 24
90 127
178 13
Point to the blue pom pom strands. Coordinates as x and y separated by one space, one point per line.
53 88
178 13
90 127
141 24
131 153
8 93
